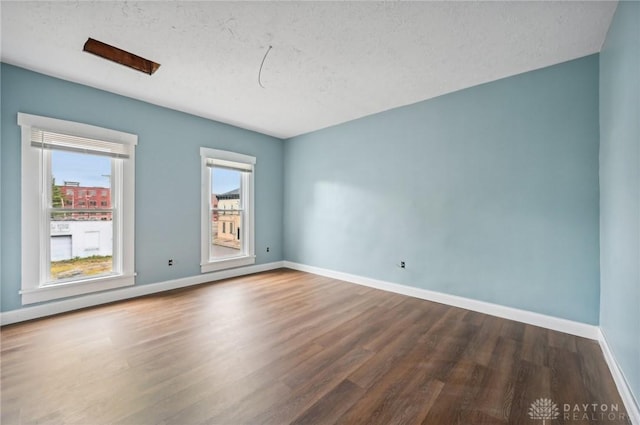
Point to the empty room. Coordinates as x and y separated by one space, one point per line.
367 212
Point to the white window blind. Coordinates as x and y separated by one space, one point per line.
50 140
229 165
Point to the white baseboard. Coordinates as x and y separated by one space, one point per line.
549 322
56 307
630 403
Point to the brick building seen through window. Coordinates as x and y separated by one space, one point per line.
73 196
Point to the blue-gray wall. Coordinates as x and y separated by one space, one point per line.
620 190
489 193
167 174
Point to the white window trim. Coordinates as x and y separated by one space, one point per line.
206 264
33 222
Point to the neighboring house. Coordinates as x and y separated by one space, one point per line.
228 223
78 197
87 232
81 239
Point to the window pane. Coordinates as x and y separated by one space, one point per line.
226 237
226 220
81 216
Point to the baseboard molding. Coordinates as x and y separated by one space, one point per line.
56 307
555 323
630 403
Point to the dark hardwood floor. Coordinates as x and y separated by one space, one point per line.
289 347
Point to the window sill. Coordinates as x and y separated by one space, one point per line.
227 263
78 287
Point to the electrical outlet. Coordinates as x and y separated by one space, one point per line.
267 249
402 264
170 262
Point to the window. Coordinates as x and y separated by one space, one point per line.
67 250
227 204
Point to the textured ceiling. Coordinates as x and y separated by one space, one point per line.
331 62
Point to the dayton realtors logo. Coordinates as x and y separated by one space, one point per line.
593 412
545 409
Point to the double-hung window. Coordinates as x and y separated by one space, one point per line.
227 218
71 243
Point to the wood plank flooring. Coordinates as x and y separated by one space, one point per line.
286 347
